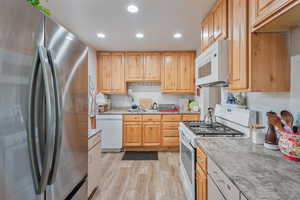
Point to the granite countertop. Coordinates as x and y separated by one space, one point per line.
260 174
124 111
93 132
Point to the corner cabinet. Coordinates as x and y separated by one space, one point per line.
178 72
111 73
259 61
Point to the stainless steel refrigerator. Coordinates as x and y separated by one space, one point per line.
43 107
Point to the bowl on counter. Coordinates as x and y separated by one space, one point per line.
289 145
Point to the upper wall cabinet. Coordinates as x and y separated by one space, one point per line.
152 66
134 67
215 24
259 61
275 15
110 73
178 72
220 17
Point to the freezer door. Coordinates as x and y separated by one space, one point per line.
20 32
69 58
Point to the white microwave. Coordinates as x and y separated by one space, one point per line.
212 65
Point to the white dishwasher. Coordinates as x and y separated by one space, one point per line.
112 131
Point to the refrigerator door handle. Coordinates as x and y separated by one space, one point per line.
31 137
50 118
58 118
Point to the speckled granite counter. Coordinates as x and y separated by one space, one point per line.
124 111
260 174
92 132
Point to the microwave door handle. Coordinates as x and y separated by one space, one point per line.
50 118
31 129
59 121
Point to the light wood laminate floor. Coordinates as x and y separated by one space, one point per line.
140 180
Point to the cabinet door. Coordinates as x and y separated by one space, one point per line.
118 73
134 68
263 9
186 72
169 72
204 34
104 72
152 66
239 71
220 20
213 192
151 134
211 38
201 184
132 134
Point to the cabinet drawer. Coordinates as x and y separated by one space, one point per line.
94 140
227 188
171 118
202 159
191 117
171 141
170 125
132 118
170 133
151 118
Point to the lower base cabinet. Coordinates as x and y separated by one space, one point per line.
94 155
153 132
201 184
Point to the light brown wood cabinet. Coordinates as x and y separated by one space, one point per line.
201 175
263 9
151 134
220 18
152 66
134 67
178 72
132 134
215 24
239 71
259 61
110 73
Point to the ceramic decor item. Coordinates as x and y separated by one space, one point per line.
289 144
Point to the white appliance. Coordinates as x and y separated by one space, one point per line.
111 126
212 65
233 121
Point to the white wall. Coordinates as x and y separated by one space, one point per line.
146 90
264 102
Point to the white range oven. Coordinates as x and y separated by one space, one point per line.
212 65
230 122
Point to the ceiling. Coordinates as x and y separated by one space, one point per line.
158 20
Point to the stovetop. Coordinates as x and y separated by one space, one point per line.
216 129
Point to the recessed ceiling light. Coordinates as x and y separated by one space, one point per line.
101 35
139 35
132 9
177 35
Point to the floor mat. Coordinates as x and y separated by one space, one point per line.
140 155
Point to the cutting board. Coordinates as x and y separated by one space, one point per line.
146 103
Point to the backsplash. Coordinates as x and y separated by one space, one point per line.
145 90
264 102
